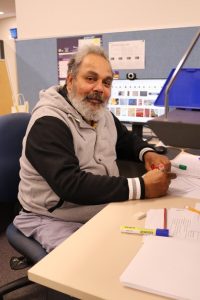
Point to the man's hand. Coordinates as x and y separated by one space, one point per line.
154 159
157 183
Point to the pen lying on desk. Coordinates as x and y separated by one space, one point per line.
178 166
145 231
173 164
193 209
165 218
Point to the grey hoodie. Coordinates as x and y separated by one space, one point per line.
35 194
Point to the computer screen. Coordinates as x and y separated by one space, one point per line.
133 100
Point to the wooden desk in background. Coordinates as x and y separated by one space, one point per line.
88 264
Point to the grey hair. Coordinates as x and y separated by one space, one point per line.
77 58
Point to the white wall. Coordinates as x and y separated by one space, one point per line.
36 18
9 49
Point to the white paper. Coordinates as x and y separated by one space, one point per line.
63 67
191 161
182 223
185 186
187 183
166 266
89 41
127 54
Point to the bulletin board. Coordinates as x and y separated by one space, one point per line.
66 47
37 61
5 89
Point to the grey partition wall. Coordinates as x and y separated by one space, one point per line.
37 59
36 66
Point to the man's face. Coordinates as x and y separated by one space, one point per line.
90 90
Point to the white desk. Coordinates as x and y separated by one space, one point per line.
89 263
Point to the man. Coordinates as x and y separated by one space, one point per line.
68 164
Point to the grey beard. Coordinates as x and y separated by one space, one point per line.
84 109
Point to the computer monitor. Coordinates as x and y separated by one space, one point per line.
133 100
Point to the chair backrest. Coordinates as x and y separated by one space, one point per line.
12 131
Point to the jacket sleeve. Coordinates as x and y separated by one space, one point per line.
50 150
128 144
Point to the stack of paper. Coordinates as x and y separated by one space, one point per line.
168 266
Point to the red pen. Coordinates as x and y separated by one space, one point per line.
159 167
165 218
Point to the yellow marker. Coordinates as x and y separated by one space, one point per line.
193 209
144 231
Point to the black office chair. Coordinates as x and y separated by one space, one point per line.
12 131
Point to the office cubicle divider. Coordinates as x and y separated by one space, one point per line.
37 59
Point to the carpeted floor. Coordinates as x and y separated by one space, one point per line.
31 292
7 275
